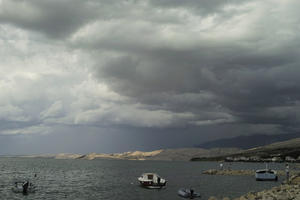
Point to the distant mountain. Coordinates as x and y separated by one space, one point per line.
184 154
285 151
247 142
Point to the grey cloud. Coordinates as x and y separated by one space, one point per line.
203 7
56 19
6 125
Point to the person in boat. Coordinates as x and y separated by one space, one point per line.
192 192
158 180
25 187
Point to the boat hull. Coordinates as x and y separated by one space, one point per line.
267 179
261 175
152 181
20 190
18 187
151 185
186 193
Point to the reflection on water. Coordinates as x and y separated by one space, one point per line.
117 179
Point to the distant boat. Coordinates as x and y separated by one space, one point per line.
152 181
266 175
18 187
188 193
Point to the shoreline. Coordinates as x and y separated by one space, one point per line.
285 191
231 172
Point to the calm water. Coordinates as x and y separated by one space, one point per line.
117 179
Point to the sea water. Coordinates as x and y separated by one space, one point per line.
117 179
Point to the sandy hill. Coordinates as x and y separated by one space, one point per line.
167 154
135 155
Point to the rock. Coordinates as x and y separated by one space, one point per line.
290 159
295 180
251 196
226 198
210 172
281 197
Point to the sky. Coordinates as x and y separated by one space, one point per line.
112 76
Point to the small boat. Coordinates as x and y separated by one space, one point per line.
18 187
152 181
266 174
188 193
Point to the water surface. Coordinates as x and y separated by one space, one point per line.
117 179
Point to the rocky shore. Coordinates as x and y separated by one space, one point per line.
286 191
229 172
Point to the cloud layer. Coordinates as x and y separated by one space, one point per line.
149 64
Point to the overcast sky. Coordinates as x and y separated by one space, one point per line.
111 76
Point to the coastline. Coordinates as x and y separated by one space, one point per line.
180 154
287 151
230 172
285 191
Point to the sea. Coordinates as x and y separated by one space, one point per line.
117 179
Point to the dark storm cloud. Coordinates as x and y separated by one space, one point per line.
148 65
251 78
246 89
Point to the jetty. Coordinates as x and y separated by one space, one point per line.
243 172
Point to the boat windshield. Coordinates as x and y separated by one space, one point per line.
150 176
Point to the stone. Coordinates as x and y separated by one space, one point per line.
226 198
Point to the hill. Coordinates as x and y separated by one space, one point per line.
278 152
184 154
247 142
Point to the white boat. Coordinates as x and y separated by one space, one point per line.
188 193
18 187
266 175
152 180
